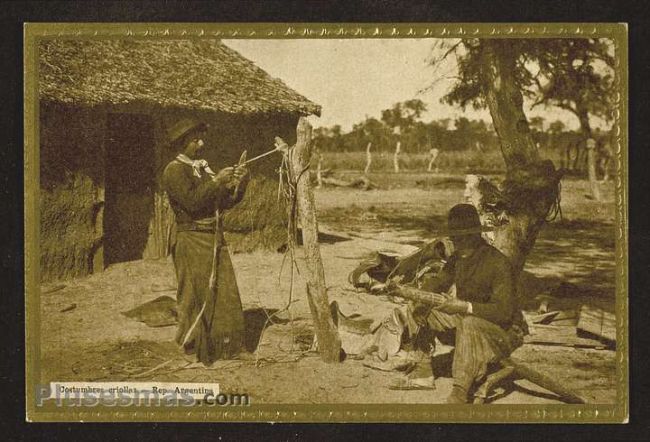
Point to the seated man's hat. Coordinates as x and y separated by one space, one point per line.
463 219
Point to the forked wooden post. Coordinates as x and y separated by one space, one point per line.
433 155
368 159
398 148
329 342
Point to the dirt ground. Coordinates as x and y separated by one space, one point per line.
85 337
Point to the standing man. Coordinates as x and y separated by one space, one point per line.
482 320
211 322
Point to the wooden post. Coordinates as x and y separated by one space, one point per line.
329 342
591 167
597 322
544 381
578 160
566 156
368 159
319 172
396 156
98 257
603 158
433 155
98 254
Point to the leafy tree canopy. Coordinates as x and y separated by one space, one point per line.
575 74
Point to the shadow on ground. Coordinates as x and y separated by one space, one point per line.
386 218
256 320
577 252
575 257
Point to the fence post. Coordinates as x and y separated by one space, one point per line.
433 156
396 156
590 147
368 159
319 171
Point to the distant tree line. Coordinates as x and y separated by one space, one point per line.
403 122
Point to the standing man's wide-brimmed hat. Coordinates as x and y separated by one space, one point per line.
463 219
184 127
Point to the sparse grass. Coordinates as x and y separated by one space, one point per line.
446 162
247 230
468 161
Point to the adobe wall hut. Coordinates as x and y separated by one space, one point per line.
104 109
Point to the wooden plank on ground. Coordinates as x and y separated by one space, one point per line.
557 317
559 336
597 322
544 381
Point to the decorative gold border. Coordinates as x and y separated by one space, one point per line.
615 413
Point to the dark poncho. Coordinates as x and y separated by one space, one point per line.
211 323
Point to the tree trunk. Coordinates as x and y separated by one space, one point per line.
329 342
505 102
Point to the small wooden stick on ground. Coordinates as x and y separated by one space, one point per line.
157 367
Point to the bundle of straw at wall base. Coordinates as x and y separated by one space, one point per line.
259 221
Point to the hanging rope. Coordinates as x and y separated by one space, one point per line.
529 190
287 190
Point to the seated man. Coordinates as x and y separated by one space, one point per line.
483 318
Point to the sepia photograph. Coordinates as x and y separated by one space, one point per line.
381 223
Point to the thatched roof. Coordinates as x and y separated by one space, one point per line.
190 74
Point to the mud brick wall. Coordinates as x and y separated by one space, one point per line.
73 177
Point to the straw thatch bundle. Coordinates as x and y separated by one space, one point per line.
189 74
259 220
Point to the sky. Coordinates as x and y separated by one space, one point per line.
357 78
